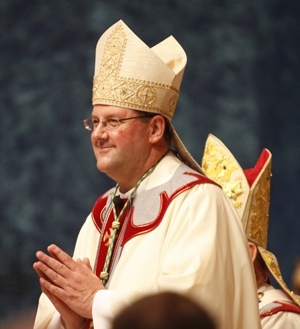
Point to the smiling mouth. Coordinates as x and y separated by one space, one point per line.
101 149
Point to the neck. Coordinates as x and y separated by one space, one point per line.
126 185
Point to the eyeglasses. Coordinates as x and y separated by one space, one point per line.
111 123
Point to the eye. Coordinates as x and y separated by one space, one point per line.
94 122
113 122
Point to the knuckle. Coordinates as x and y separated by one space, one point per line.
55 278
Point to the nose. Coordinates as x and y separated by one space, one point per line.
99 131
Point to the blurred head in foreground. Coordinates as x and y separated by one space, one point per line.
165 310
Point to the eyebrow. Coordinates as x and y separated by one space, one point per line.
93 116
109 116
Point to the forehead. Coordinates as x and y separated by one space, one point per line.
109 110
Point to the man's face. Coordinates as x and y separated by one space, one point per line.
119 151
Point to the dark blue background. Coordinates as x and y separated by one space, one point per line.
241 84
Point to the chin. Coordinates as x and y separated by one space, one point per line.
103 166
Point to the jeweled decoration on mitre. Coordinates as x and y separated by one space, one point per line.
220 165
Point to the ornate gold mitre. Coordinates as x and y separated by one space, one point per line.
130 74
249 191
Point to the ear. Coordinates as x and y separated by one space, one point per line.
157 128
253 250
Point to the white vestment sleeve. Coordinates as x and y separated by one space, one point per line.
101 311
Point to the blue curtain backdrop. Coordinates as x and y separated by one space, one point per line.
241 84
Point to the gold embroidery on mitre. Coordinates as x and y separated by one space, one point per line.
296 298
109 87
220 167
273 266
252 203
258 217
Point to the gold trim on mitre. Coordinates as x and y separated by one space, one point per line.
130 74
249 191
257 212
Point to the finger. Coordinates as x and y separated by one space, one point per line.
41 274
35 266
52 291
38 272
57 263
53 249
53 298
87 262
50 262
61 256
55 273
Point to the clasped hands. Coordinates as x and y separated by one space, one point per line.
70 284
